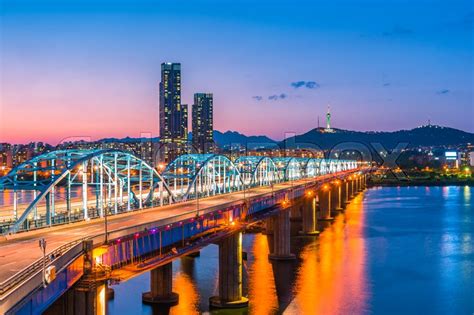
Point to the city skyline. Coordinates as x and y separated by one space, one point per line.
86 70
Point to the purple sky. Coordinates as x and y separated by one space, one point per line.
91 68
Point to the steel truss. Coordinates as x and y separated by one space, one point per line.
74 185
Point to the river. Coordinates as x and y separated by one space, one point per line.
395 250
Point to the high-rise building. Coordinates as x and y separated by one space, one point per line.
173 114
202 123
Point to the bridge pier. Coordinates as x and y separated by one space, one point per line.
281 236
269 226
325 203
363 182
88 296
337 197
296 212
84 298
161 282
230 274
345 192
351 188
310 220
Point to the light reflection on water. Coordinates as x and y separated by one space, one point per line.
394 251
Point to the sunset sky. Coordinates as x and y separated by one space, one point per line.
91 68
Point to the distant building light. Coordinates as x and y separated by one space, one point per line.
451 155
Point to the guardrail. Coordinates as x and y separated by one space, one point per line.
32 269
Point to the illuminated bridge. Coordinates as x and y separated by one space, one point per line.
101 210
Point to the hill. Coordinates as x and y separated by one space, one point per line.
425 136
224 139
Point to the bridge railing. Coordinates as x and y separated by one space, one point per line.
35 267
14 289
109 182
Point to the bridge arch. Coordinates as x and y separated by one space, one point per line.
192 175
257 170
96 183
289 167
313 167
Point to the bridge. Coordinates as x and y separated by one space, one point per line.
101 210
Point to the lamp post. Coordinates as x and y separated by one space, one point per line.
106 239
42 245
196 191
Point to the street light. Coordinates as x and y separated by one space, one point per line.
106 240
42 245
197 193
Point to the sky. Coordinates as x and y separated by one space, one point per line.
86 68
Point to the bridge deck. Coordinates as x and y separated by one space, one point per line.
21 250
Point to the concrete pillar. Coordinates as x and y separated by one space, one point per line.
336 197
309 218
269 226
325 203
87 299
344 193
351 188
281 236
161 282
356 185
296 212
230 274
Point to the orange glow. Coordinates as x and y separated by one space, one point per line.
309 193
262 288
333 268
161 166
188 295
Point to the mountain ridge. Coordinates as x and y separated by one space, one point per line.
428 136
423 136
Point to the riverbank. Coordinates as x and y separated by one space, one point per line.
418 182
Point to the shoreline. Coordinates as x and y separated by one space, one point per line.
419 183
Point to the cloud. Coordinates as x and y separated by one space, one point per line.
312 85
441 92
258 98
398 31
276 97
306 84
387 84
298 84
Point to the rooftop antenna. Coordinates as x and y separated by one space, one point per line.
318 122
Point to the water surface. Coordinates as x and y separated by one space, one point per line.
406 250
